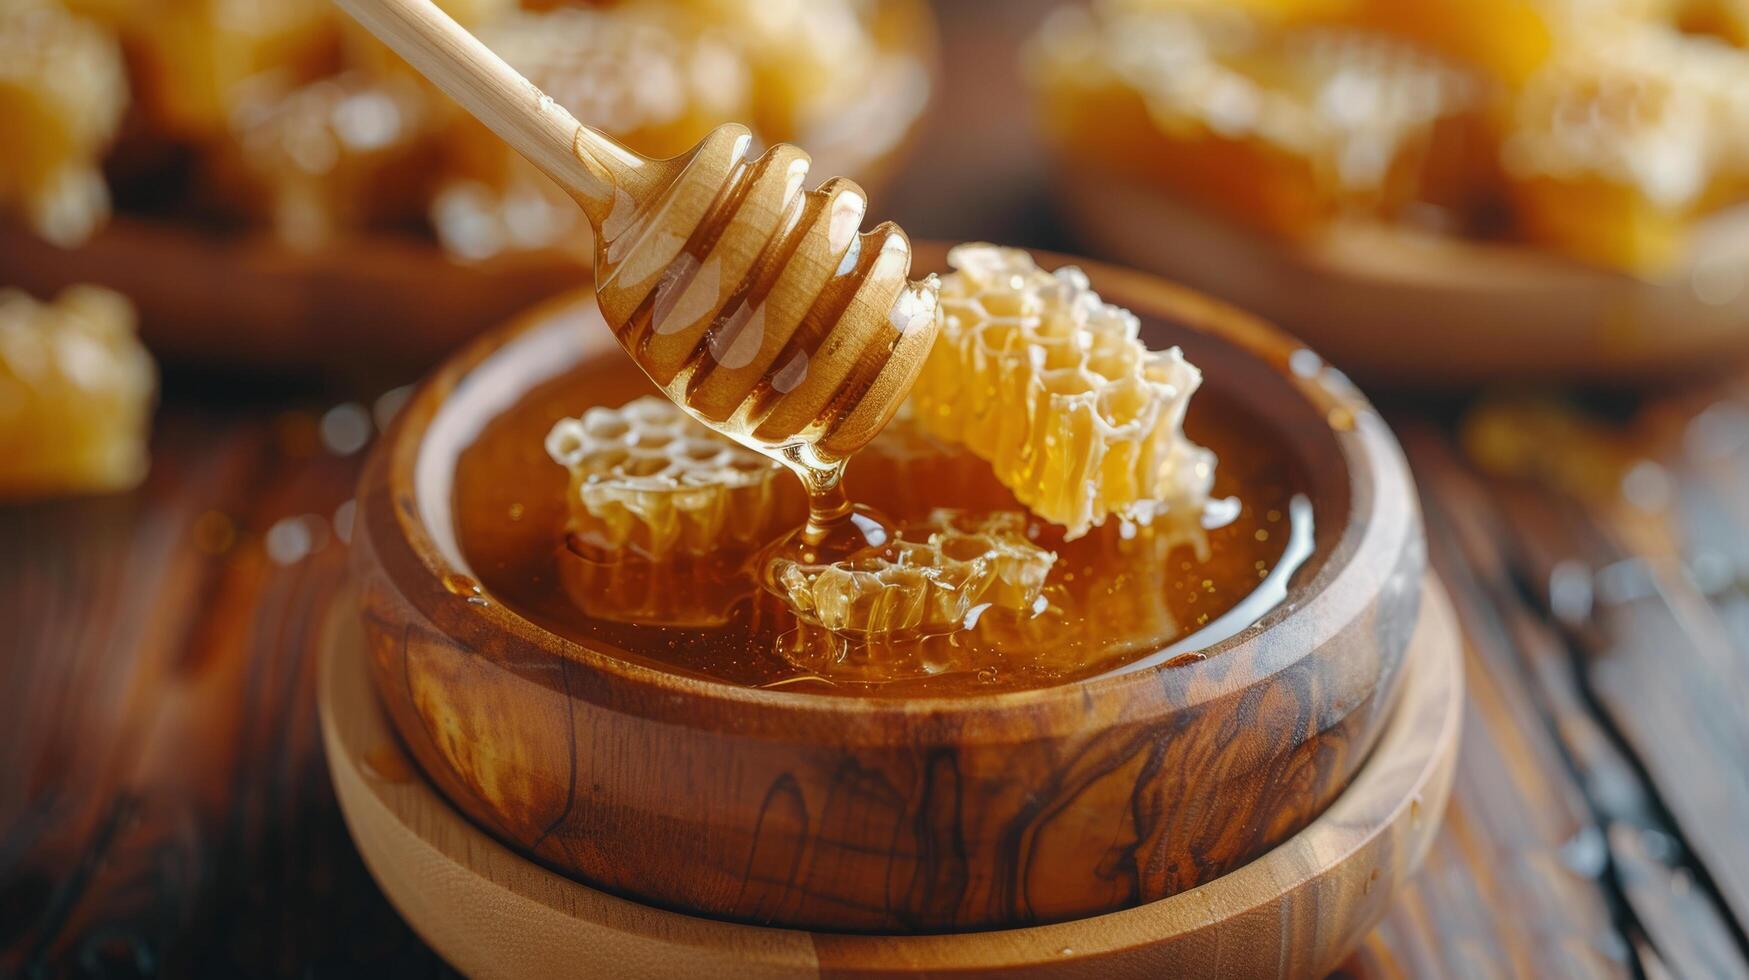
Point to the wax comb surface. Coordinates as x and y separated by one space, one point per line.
1034 373
646 477
928 581
1284 127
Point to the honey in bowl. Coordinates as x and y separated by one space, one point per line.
651 543
1123 599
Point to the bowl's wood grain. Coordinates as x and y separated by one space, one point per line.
884 815
1296 911
1399 308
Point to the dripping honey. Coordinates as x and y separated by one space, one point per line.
1132 604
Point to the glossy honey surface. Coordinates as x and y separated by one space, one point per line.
1119 598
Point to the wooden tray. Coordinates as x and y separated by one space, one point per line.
1397 308
1297 911
245 300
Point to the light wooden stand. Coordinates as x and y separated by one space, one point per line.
1297 911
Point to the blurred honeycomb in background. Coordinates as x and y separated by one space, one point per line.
62 93
273 189
650 76
283 114
76 392
1604 130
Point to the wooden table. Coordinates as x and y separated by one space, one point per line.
164 805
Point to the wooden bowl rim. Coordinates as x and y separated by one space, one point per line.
1347 576
1411 770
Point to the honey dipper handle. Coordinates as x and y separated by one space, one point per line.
587 164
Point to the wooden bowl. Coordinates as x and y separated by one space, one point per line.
1400 308
1295 912
882 815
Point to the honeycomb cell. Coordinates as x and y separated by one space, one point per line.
1283 126
1614 152
650 480
929 580
198 61
76 389
63 89
650 78
1035 374
334 156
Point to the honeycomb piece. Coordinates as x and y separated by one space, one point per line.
808 59
644 75
76 392
1283 127
647 478
63 89
198 61
333 156
1081 421
1508 40
927 581
1612 153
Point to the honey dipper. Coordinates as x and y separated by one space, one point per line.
758 308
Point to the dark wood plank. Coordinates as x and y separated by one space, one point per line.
205 841
1658 655
1650 883
100 599
1691 934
